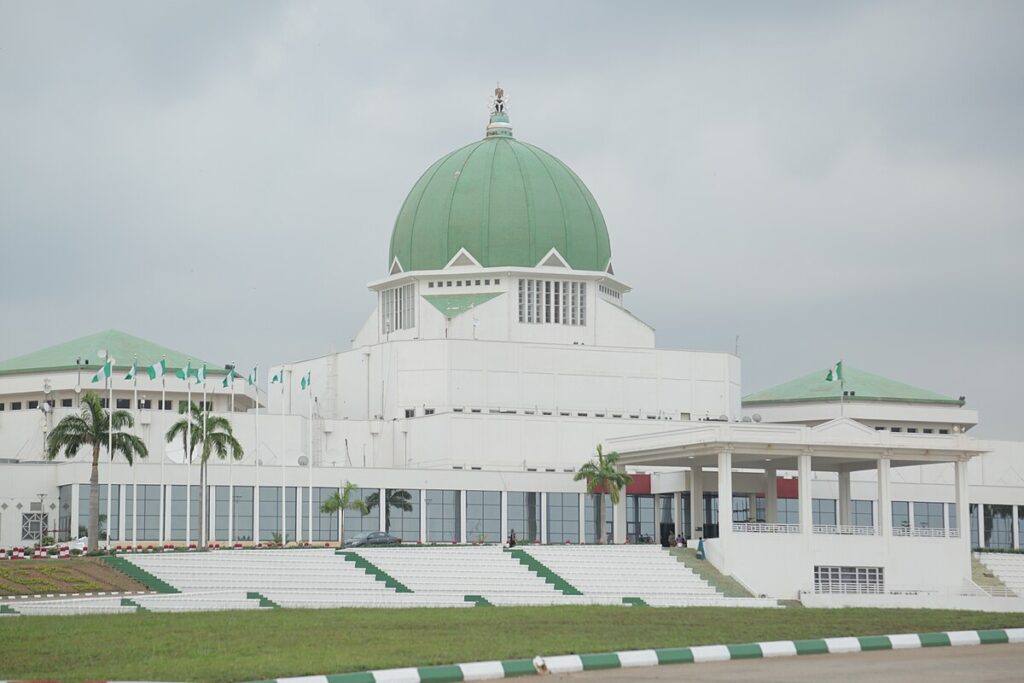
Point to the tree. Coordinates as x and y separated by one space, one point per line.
602 476
400 499
94 426
339 502
216 437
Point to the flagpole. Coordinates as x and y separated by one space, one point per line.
188 456
231 475
203 530
256 435
309 513
135 403
163 457
110 442
284 483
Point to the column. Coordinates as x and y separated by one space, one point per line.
657 518
771 495
543 518
1015 527
677 511
696 502
255 512
804 494
76 500
382 509
462 517
844 498
211 514
583 518
619 518
884 501
963 516
423 515
752 505
504 516
724 495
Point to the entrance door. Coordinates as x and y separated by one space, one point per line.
667 528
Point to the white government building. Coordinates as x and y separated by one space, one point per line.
499 355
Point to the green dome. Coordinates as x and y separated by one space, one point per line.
506 202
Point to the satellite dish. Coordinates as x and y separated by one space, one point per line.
303 460
757 417
102 353
723 418
746 418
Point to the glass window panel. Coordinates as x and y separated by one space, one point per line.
483 516
590 518
998 526
563 518
242 515
403 513
524 515
115 511
823 511
900 514
788 511
355 521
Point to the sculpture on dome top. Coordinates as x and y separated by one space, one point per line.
499 101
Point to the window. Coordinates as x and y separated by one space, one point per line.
15 405
2 407
896 429
497 282
590 518
148 512
243 518
355 521
145 404
943 431
219 524
487 282
900 514
524 515
166 405
951 512
998 526
552 301
33 526
563 518
927 430
430 285
410 412
184 507
325 525
788 511
32 405
483 516
849 579
64 512
403 513
911 430
879 429
64 403
115 510
862 513
123 403
477 283
428 411
975 541
639 517
443 516
823 511
928 516
398 310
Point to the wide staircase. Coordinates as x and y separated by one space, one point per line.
647 572
1008 568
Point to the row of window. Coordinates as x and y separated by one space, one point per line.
912 430
460 283
398 308
552 301
608 291
119 403
411 412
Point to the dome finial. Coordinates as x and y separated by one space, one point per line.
499 125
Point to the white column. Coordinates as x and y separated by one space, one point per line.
255 512
76 500
804 494
677 511
771 496
724 496
462 517
752 505
657 518
543 518
382 510
981 524
583 517
1015 527
963 516
211 513
619 519
844 498
696 502
423 515
884 500
504 516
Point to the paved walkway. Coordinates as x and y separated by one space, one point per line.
978 664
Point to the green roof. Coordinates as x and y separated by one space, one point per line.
124 348
507 203
453 305
859 385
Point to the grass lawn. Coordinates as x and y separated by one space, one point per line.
239 646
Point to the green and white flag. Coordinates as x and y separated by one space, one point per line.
201 375
103 373
304 382
157 369
131 372
835 373
277 377
185 372
251 379
230 379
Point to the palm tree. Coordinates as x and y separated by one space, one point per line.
400 499
603 477
95 427
340 502
216 437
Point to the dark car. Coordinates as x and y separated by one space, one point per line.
373 538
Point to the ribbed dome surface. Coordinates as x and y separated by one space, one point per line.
507 203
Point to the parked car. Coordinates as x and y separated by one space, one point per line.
373 538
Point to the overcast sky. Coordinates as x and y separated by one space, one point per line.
824 180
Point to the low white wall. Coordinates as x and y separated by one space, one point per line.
939 600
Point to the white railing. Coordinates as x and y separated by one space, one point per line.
765 528
923 532
953 533
844 529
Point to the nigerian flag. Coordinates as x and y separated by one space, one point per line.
103 373
185 372
251 379
157 369
835 373
230 379
134 369
201 375
305 382
277 377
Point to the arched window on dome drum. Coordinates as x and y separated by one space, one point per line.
559 302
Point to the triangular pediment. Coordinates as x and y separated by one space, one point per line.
396 267
844 429
608 269
553 259
463 258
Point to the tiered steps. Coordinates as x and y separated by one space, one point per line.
635 571
1008 568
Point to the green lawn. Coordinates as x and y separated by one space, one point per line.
238 646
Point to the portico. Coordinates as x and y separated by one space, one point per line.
841 446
